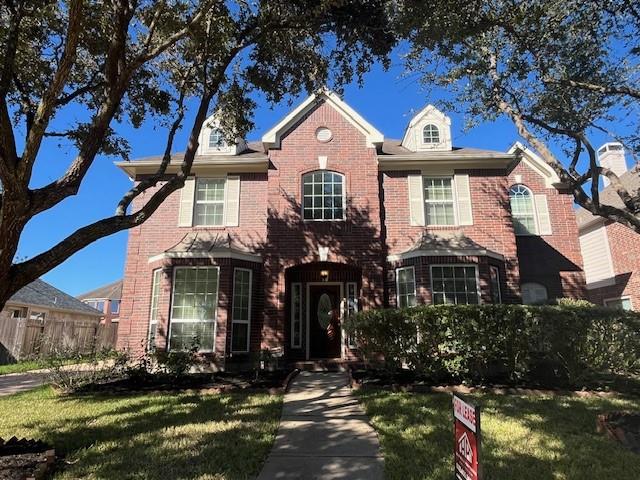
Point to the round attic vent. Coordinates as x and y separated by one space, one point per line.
323 134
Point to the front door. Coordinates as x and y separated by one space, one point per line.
324 321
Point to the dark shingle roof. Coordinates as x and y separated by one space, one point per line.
630 180
41 294
204 241
394 147
113 291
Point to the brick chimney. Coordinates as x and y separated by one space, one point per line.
611 156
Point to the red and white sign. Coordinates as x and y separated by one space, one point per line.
467 440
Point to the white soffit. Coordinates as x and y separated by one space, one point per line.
272 138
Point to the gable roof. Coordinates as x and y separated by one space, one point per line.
533 160
429 109
112 291
608 196
272 138
39 293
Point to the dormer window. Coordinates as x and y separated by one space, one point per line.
430 134
216 139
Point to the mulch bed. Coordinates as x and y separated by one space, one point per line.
273 382
407 381
25 459
623 427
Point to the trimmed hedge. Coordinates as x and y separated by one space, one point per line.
562 345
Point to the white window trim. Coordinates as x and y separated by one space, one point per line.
497 269
180 320
454 202
153 321
344 198
422 134
210 202
535 213
415 286
351 339
478 293
245 322
615 299
300 308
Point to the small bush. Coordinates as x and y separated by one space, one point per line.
552 345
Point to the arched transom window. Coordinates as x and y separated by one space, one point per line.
523 210
216 139
323 196
430 134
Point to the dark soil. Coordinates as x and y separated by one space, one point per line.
224 381
20 459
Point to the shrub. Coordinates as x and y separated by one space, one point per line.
561 344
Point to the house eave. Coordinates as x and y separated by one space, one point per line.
209 166
217 253
413 162
444 252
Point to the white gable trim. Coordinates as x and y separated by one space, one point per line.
272 138
428 110
537 164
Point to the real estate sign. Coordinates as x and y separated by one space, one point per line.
466 419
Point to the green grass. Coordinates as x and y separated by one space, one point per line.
148 436
29 365
525 438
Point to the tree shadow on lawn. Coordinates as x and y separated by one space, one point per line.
175 436
525 438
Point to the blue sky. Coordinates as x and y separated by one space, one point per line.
386 100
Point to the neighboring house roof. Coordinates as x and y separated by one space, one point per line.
608 196
112 291
445 244
203 244
39 293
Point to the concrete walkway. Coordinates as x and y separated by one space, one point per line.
20 382
324 434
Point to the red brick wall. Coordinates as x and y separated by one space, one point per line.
492 227
161 232
292 241
554 261
626 265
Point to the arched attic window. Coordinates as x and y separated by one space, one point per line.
323 196
523 210
430 134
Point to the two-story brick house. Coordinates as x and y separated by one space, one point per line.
271 244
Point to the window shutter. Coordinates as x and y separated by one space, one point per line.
542 211
416 200
463 194
185 216
232 201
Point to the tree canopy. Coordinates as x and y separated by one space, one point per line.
123 61
561 70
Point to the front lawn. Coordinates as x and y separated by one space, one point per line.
30 365
525 438
148 436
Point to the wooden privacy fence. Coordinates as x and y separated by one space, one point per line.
28 338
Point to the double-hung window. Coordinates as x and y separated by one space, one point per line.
153 310
406 287
454 284
623 303
523 210
194 308
439 199
209 202
241 310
